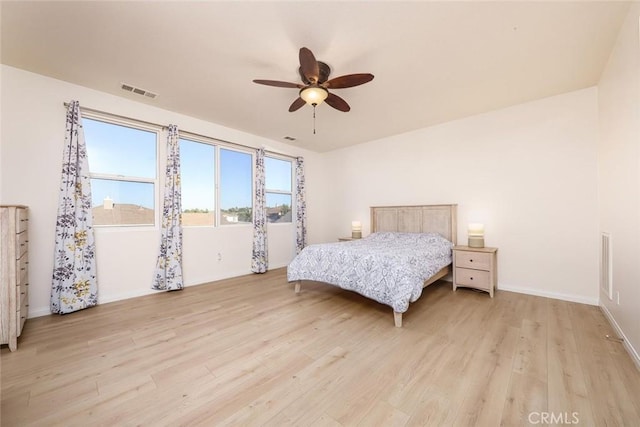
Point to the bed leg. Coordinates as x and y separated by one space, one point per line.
297 288
397 318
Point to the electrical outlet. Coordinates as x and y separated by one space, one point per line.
219 256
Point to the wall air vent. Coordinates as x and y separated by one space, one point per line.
133 89
606 261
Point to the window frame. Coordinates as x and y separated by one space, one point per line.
156 181
203 140
218 145
157 130
252 162
290 193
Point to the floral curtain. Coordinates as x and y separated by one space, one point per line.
168 274
301 207
259 258
74 285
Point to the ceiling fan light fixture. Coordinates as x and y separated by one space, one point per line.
314 95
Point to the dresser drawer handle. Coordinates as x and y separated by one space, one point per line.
471 278
470 260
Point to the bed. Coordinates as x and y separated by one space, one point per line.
409 248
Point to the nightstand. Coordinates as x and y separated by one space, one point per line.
345 239
475 268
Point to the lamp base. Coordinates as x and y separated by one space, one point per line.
356 234
476 242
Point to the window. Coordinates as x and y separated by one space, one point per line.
123 170
236 178
217 184
278 189
197 176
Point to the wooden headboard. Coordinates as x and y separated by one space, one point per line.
441 219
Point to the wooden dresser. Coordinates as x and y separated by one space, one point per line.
14 273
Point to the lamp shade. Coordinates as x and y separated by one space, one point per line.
476 235
476 229
314 95
356 229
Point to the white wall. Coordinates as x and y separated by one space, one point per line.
619 176
32 139
527 172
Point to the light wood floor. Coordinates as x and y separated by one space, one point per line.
248 351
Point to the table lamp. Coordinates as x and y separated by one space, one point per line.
476 235
356 230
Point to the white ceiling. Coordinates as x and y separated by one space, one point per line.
433 61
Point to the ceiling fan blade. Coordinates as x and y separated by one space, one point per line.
350 80
338 103
296 105
279 84
309 65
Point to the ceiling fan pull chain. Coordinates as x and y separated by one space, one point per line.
314 119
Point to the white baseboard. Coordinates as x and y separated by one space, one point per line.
555 295
45 311
627 345
228 275
39 312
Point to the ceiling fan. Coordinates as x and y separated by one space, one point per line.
315 90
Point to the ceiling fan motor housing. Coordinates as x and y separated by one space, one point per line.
323 76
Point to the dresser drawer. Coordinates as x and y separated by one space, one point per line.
22 273
21 220
23 311
473 278
22 244
475 260
19 290
23 295
14 295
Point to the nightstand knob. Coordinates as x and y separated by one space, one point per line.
471 278
470 260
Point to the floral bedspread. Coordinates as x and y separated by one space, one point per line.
390 268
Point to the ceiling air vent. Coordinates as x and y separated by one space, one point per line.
130 88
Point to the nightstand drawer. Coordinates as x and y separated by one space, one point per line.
474 278
475 260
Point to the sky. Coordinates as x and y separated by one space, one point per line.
129 152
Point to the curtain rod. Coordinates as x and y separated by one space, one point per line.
117 116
